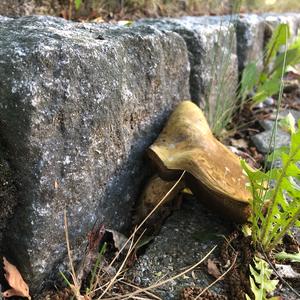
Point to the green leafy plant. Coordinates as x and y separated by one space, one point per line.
260 280
276 195
293 257
77 4
266 82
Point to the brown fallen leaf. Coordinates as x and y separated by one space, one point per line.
212 269
13 277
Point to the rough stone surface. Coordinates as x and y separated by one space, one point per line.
187 236
79 104
7 195
211 42
250 33
292 19
4 19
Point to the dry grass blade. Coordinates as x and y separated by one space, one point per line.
143 290
147 217
138 288
76 285
131 248
106 287
131 238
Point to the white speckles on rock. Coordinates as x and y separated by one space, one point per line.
77 113
292 19
209 40
250 30
67 160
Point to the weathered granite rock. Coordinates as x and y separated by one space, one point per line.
4 19
211 42
8 199
253 32
187 236
292 19
250 33
79 104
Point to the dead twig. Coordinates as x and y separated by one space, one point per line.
142 290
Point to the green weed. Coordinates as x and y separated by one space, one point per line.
77 4
266 82
260 281
293 257
276 195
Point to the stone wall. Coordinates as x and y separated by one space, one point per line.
80 103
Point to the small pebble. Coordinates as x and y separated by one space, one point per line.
259 105
269 101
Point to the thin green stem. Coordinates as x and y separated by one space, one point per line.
287 226
97 264
266 224
267 61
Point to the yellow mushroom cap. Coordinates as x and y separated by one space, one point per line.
187 144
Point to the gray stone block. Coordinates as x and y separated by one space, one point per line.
79 104
292 19
269 123
8 200
211 42
250 32
4 19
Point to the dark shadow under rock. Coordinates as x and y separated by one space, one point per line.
187 236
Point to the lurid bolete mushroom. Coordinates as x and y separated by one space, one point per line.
213 173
